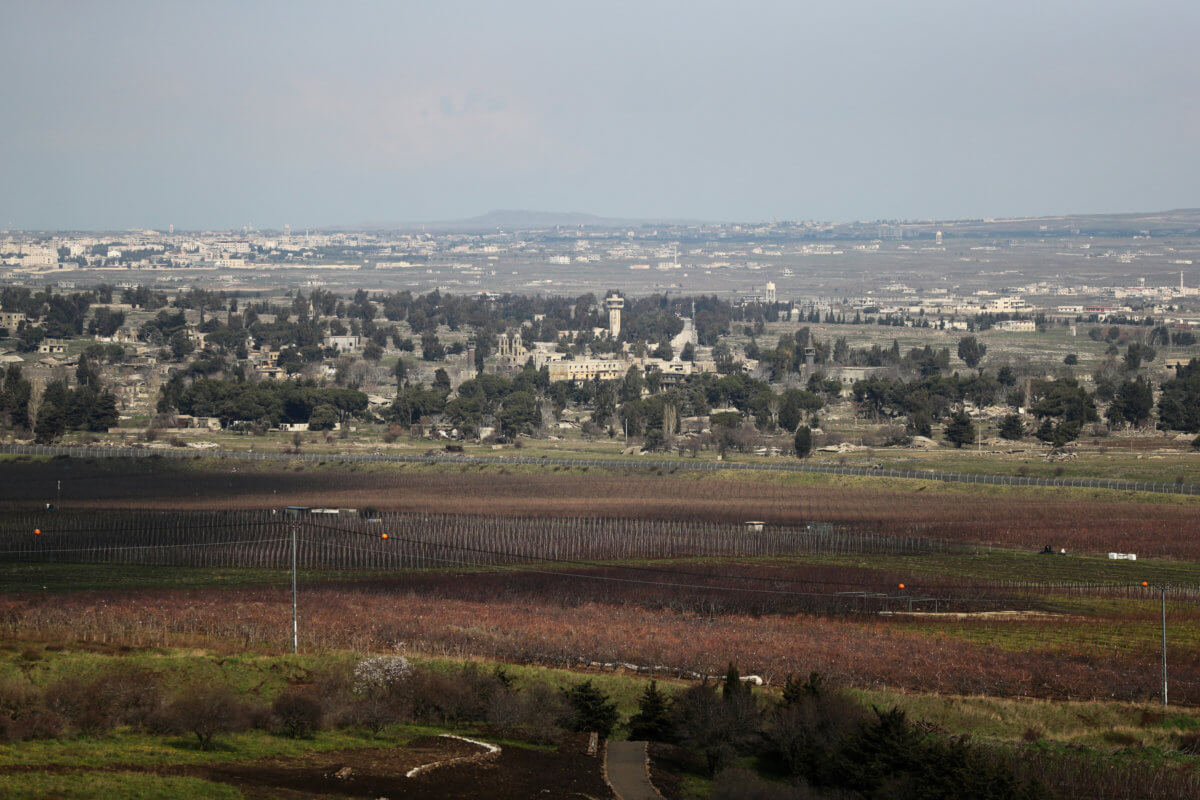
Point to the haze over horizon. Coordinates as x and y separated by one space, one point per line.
139 114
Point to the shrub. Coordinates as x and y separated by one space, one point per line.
1120 738
888 757
381 673
805 733
381 694
77 704
534 713
35 723
206 711
717 726
299 711
128 697
22 715
16 696
741 784
463 695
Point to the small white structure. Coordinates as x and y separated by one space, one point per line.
755 526
1123 556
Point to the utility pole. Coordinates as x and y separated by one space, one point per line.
1163 588
295 512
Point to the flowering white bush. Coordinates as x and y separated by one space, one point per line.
380 673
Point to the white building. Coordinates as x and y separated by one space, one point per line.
344 344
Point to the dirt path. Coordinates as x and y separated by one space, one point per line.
627 774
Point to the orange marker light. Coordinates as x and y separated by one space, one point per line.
383 536
902 586
37 531
1145 583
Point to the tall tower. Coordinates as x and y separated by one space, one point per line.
614 303
769 295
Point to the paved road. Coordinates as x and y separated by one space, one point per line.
626 764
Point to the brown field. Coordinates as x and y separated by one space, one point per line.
1005 519
1108 655
771 619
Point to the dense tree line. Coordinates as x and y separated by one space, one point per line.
90 406
267 402
1179 403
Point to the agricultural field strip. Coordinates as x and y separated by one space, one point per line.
511 554
878 589
555 629
274 525
955 477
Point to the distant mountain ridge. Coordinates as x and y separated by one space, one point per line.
520 219
1174 220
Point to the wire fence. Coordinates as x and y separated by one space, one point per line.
348 541
641 551
641 462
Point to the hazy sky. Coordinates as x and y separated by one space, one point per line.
212 114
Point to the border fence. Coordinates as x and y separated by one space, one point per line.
1115 484
348 541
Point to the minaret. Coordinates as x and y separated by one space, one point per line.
614 303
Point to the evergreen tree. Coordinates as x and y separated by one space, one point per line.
732 686
971 351
590 709
1011 427
652 722
803 441
51 422
102 414
960 430
15 394
323 418
795 690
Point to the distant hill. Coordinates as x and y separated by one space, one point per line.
1183 221
520 219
